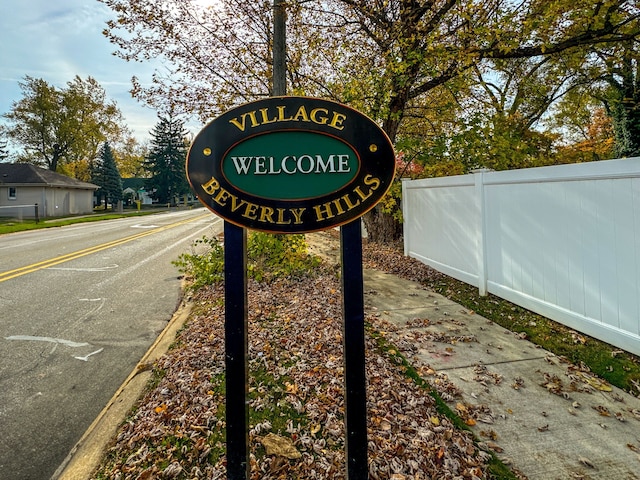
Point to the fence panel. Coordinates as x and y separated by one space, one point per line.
444 234
563 241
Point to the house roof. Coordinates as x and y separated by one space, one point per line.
135 183
26 174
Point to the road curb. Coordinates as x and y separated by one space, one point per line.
86 455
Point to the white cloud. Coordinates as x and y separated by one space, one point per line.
57 40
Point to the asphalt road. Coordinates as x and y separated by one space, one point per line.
79 307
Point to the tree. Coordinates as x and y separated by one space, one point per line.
4 148
4 153
607 80
594 140
63 128
621 98
222 53
105 174
130 156
392 59
166 159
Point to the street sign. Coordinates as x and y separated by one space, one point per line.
291 165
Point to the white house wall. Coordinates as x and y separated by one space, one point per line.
63 202
52 202
22 205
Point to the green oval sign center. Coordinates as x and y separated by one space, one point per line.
290 165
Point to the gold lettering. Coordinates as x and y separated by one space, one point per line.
322 120
265 118
281 117
266 214
323 210
281 217
211 186
297 213
301 113
250 211
235 122
361 194
336 202
234 203
347 200
320 116
241 124
221 198
371 181
336 121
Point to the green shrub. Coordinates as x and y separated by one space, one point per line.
268 257
203 268
272 256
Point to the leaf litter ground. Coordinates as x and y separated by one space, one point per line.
296 399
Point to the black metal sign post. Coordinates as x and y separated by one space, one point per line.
236 350
354 351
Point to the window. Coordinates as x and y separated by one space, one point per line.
12 193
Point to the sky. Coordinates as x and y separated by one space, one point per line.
55 40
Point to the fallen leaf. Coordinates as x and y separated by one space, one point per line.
586 461
280 446
633 447
602 410
595 382
495 447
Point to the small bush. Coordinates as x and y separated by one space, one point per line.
272 256
203 268
268 257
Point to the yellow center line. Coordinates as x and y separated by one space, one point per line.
8 275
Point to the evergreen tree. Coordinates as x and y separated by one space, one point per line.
105 174
166 160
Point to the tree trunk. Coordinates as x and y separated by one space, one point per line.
382 227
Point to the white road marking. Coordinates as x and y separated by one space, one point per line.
86 357
62 341
87 269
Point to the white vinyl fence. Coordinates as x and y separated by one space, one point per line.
562 241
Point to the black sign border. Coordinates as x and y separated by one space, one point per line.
359 132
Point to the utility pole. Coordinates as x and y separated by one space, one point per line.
236 318
279 49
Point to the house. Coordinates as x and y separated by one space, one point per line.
133 189
26 189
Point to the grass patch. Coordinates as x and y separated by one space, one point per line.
12 226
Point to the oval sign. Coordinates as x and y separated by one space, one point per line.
291 165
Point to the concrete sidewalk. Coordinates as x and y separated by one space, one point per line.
542 416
